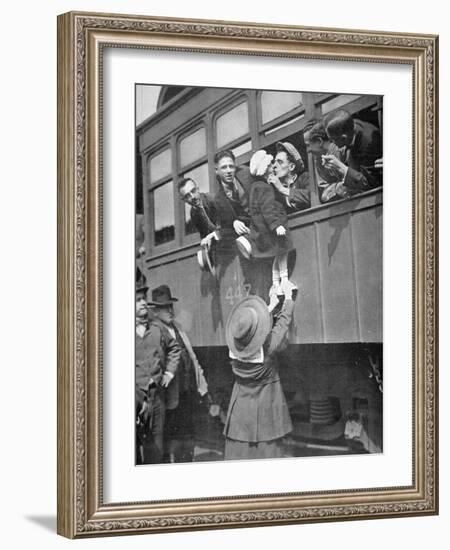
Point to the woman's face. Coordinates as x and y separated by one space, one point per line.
269 170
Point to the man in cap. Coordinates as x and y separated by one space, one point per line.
258 417
290 178
157 357
232 195
185 383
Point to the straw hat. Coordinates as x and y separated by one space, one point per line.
247 327
205 260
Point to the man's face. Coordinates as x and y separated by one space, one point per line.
190 193
165 314
315 147
141 305
340 139
282 167
226 169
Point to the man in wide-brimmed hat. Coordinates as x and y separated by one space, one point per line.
185 383
290 178
258 416
157 353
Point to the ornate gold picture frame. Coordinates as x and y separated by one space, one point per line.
82 41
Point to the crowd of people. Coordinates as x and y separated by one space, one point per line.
250 208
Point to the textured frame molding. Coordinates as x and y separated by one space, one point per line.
81 37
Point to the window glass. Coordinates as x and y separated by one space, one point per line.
163 213
201 176
275 104
337 102
232 125
193 147
160 165
243 148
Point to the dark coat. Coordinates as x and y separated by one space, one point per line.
258 410
299 194
212 213
360 157
267 213
231 210
158 351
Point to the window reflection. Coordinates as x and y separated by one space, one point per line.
160 165
201 176
275 104
163 213
193 147
232 125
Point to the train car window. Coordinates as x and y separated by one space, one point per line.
337 102
243 148
232 125
163 213
200 175
160 165
193 147
275 104
285 124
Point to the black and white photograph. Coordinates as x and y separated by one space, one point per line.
259 280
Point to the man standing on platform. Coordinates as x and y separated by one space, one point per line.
185 385
157 358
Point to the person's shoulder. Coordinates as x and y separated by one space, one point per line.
262 187
157 328
366 127
243 174
302 181
208 197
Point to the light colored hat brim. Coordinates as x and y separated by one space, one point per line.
244 246
204 261
261 332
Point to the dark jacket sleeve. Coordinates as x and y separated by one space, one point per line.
299 195
280 330
172 350
355 181
211 212
273 213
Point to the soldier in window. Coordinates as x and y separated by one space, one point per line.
232 196
204 214
290 178
362 164
322 148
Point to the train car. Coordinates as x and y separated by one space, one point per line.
332 369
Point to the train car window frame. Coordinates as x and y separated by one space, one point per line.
149 201
185 238
238 99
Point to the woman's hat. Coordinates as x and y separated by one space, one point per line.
247 327
161 296
259 163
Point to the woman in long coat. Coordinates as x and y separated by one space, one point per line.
269 235
258 417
